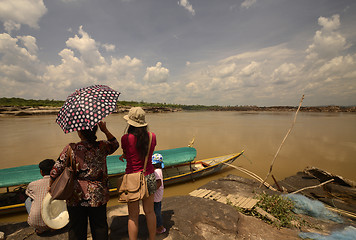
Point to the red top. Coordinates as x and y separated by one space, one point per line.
134 163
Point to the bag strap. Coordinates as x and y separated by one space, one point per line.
148 151
69 153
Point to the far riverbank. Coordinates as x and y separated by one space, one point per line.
49 110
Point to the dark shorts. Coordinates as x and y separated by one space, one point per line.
151 183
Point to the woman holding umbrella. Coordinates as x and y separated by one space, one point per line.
83 112
91 192
135 148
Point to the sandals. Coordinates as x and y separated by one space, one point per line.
161 230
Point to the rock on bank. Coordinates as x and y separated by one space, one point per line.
184 217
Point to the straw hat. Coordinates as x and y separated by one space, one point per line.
54 212
136 117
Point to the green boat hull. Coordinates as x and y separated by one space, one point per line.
23 175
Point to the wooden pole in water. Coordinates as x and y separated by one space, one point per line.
278 187
280 146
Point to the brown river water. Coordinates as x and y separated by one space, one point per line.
324 140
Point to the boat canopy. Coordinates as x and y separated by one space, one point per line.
19 175
25 174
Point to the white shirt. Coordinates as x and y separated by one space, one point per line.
159 193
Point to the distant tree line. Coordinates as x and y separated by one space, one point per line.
167 105
19 102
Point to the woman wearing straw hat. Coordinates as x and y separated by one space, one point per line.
135 147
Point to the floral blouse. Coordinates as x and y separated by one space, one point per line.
91 185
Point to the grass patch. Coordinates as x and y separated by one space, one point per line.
278 206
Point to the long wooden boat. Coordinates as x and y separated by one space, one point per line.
179 167
190 171
13 181
19 176
197 169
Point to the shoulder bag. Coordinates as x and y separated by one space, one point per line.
133 186
63 186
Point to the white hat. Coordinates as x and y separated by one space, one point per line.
136 117
54 212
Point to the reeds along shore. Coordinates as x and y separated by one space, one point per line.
48 110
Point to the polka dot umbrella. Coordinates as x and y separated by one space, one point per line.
86 107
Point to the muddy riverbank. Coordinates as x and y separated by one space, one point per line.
28 111
42 110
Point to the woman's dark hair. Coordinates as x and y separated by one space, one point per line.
90 134
46 166
142 139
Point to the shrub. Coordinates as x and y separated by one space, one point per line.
278 206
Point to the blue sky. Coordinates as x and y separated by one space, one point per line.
227 52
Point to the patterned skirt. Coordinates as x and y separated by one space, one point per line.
151 183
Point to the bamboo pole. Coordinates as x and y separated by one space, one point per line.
253 175
315 186
280 146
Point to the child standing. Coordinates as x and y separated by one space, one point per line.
157 161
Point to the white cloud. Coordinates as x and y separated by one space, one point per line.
284 74
71 72
30 43
23 73
327 43
109 47
187 6
241 79
75 72
156 74
87 48
19 66
14 13
222 70
10 26
13 54
339 66
330 24
278 75
250 70
248 3
277 52
273 75
334 80
227 70
337 75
